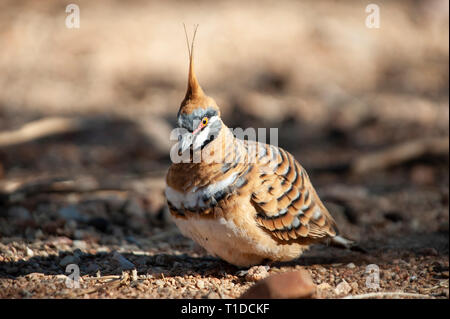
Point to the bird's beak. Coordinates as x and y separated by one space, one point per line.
185 141
199 127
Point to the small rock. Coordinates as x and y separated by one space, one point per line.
79 244
159 283
241 273
134 275
29 252
343 288
61 240
200 284
34 275
124 263
331 278
294 284
321 270
324 290
257 273
69 260
351 265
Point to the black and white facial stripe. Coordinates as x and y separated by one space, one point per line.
190 121
203 137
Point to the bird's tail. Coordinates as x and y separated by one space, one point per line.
341 242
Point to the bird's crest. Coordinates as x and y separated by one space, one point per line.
193 89
195 97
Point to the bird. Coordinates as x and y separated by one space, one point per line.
245 202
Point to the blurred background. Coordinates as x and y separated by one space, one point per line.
85 117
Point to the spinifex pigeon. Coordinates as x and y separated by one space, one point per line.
245 202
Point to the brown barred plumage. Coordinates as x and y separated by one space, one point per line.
241 208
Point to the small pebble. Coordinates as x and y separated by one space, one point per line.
321 270
343 288
324 289
29 252
200 284
287 285
351 265
257 273
80 244
134 275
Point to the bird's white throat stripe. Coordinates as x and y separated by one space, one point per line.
195 198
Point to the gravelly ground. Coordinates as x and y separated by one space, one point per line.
410 258
94 197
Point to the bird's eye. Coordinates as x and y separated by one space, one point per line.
205 121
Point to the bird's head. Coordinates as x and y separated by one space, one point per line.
199 114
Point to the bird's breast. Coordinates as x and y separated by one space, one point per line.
202 197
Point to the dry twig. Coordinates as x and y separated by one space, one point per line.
388 294
41 128
400 153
